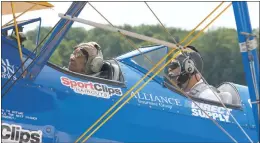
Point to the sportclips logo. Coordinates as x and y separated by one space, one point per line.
90 88
15 134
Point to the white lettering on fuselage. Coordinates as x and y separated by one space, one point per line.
154 100
215 112
16 134
7 69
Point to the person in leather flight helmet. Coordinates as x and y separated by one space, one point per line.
86 58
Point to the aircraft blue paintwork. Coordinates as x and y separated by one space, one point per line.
155 114
67 114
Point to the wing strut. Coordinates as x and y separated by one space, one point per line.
17 36
112 29
248 50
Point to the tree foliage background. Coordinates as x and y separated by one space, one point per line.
219 47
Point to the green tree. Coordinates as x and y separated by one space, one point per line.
218 47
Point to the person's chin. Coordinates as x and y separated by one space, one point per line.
71 68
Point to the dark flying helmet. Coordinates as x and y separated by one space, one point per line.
186 62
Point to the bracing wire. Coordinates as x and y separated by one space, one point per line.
161 23
129 41
132 95
206 81
225 107
139 89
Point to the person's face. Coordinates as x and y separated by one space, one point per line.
174 70
174 73
77 61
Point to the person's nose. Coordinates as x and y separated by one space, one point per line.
72 57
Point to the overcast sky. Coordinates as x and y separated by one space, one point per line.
185 15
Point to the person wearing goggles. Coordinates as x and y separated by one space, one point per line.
184 70
86 58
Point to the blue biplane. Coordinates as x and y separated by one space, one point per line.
42 102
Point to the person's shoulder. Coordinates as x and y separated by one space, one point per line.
208 94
